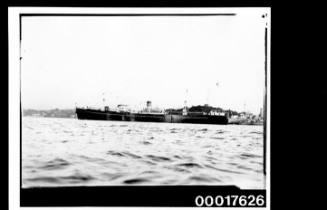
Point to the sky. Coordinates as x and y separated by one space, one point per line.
69 61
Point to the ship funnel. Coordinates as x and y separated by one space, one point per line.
148 104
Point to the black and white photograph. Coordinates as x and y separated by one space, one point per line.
144 97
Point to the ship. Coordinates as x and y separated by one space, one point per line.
148 115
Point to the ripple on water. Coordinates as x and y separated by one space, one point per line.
218 138
123 154
113 153
148 162
111 176
149 172
138 153
190 165
249 155
179 169
146 142
224 170
44 179
204 179
91 159
177 156
158 158
77 178
220 131
71 179
132 155
256 132
55 164
135 181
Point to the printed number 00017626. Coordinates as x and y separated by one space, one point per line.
230 200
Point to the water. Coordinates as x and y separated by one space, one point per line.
71 152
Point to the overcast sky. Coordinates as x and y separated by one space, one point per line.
128 60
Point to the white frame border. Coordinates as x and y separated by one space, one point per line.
14 87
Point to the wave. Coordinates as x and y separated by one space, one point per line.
204 179
77 178
218 138
158 158
256 132
135 181
224 170
72 179
44 179
132 155
138 153
111 176
146 142
123 154
55 164
113 153
249 155
190 165
220 132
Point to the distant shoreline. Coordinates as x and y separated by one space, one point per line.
52 113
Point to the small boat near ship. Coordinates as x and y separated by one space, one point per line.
149 116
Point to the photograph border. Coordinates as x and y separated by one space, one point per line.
27 194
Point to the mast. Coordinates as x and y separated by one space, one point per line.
185 103
103 100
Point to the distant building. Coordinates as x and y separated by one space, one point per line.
36 115
122 108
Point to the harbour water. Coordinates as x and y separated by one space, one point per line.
71 152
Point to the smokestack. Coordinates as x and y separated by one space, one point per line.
148 104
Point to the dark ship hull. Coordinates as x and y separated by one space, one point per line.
93 114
